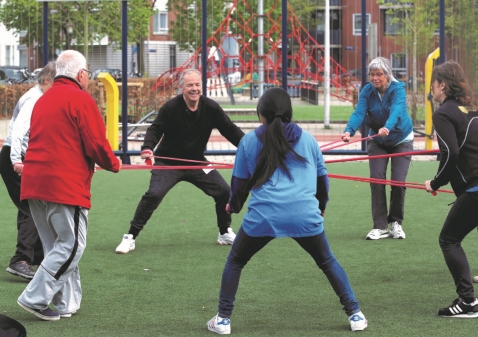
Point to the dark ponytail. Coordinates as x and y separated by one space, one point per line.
275 106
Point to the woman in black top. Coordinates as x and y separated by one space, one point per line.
457 132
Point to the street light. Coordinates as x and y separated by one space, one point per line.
69 32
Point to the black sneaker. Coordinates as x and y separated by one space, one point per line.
46 314
22 269
460 309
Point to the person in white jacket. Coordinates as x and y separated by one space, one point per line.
29 249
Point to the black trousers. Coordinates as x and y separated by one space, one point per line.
29 247
461 220
212 184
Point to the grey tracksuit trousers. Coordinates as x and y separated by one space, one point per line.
62 230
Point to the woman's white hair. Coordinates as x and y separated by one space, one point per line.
69 63
383 64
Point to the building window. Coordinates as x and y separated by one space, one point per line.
160 23
24 58
394 22
399 66
8 55
357 24
172 56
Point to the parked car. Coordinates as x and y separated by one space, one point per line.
3 77
115 73
15 74
135 75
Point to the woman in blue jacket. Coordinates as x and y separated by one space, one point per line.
383 106
282 167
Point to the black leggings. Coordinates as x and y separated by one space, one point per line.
461 220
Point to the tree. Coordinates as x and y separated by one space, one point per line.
88 22
186 29
461 27
139 16
418 21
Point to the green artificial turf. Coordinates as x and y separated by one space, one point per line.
169 285
301 112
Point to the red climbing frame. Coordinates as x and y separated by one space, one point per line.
306 64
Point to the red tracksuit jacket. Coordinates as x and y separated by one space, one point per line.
67 138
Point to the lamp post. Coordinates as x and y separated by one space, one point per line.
69 33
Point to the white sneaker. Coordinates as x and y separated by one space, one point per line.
226 239
220 325
396 231
358 322
127 245
475 279
376 234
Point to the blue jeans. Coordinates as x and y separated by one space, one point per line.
244 248
461 220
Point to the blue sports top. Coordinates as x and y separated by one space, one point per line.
283 207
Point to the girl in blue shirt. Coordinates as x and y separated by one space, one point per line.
282 167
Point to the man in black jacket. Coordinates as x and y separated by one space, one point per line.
182 129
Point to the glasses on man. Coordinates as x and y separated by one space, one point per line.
377 75
89 72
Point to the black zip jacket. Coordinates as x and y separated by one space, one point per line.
457 131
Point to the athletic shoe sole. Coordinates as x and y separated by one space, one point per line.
361 328
383 236
39 314
123 251
68 315
467 315
17 273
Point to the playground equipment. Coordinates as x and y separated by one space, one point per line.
429 98
112 108
236 54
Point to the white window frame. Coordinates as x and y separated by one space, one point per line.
157 29
358 31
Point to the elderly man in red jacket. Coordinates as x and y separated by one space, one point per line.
67 138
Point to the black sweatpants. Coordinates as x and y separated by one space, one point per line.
212 184
29 247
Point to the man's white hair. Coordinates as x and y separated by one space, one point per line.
187 71
69 63
382 64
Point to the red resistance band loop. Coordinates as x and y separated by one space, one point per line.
347 143
411 153
386 182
